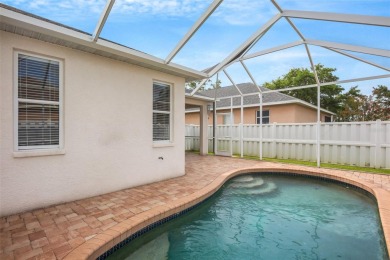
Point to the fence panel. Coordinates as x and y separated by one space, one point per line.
192 133
364 144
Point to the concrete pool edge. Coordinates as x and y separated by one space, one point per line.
104 241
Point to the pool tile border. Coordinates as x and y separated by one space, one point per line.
147 229
112 239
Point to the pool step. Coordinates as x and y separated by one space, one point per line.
249 184
244 179
267 188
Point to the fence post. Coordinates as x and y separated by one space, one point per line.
377 144
261 127
273 136
203 135
318 143
242 126
242 139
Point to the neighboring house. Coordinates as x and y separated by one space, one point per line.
80 118
277 107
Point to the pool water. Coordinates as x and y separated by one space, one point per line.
269 217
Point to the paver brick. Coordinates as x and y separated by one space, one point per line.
62 251
7 256
22 250
37 235
33 225
77 225
105 217
46 256
39 242
57 239
30 254
14 246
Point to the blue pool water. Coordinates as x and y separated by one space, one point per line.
269 217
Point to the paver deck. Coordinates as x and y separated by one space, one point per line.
74 230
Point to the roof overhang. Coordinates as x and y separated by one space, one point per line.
196 101
22 23
200 98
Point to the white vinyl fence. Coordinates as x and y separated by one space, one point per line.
365 144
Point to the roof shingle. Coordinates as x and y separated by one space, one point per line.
224 94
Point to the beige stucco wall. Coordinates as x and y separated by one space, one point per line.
107 131
289 113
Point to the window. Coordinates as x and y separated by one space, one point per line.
328 119
226 119
265 117
38 99
162 112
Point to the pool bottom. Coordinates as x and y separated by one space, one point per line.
265 187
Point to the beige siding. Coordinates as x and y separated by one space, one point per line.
282 114
307 115
192 118
289 113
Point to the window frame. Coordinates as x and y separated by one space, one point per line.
258 116
171 88
22 151
329 119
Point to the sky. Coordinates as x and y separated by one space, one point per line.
156 26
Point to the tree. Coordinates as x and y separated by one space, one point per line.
216 85
208 84
193 84
359 107
353 106
331 96
378 105
381 96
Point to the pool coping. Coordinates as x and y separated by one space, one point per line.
104 241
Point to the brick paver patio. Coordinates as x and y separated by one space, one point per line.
74 230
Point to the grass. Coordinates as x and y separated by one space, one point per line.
324 165
314 164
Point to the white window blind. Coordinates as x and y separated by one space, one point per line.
38 97
265 117
161 112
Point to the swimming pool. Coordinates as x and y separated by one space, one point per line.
262 216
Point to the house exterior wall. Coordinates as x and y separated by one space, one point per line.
194 118
108 133
305 115
289 113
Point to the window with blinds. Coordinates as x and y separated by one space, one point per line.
38 98
161 112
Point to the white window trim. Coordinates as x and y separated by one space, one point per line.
29 151
331 119
170 142
258 117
